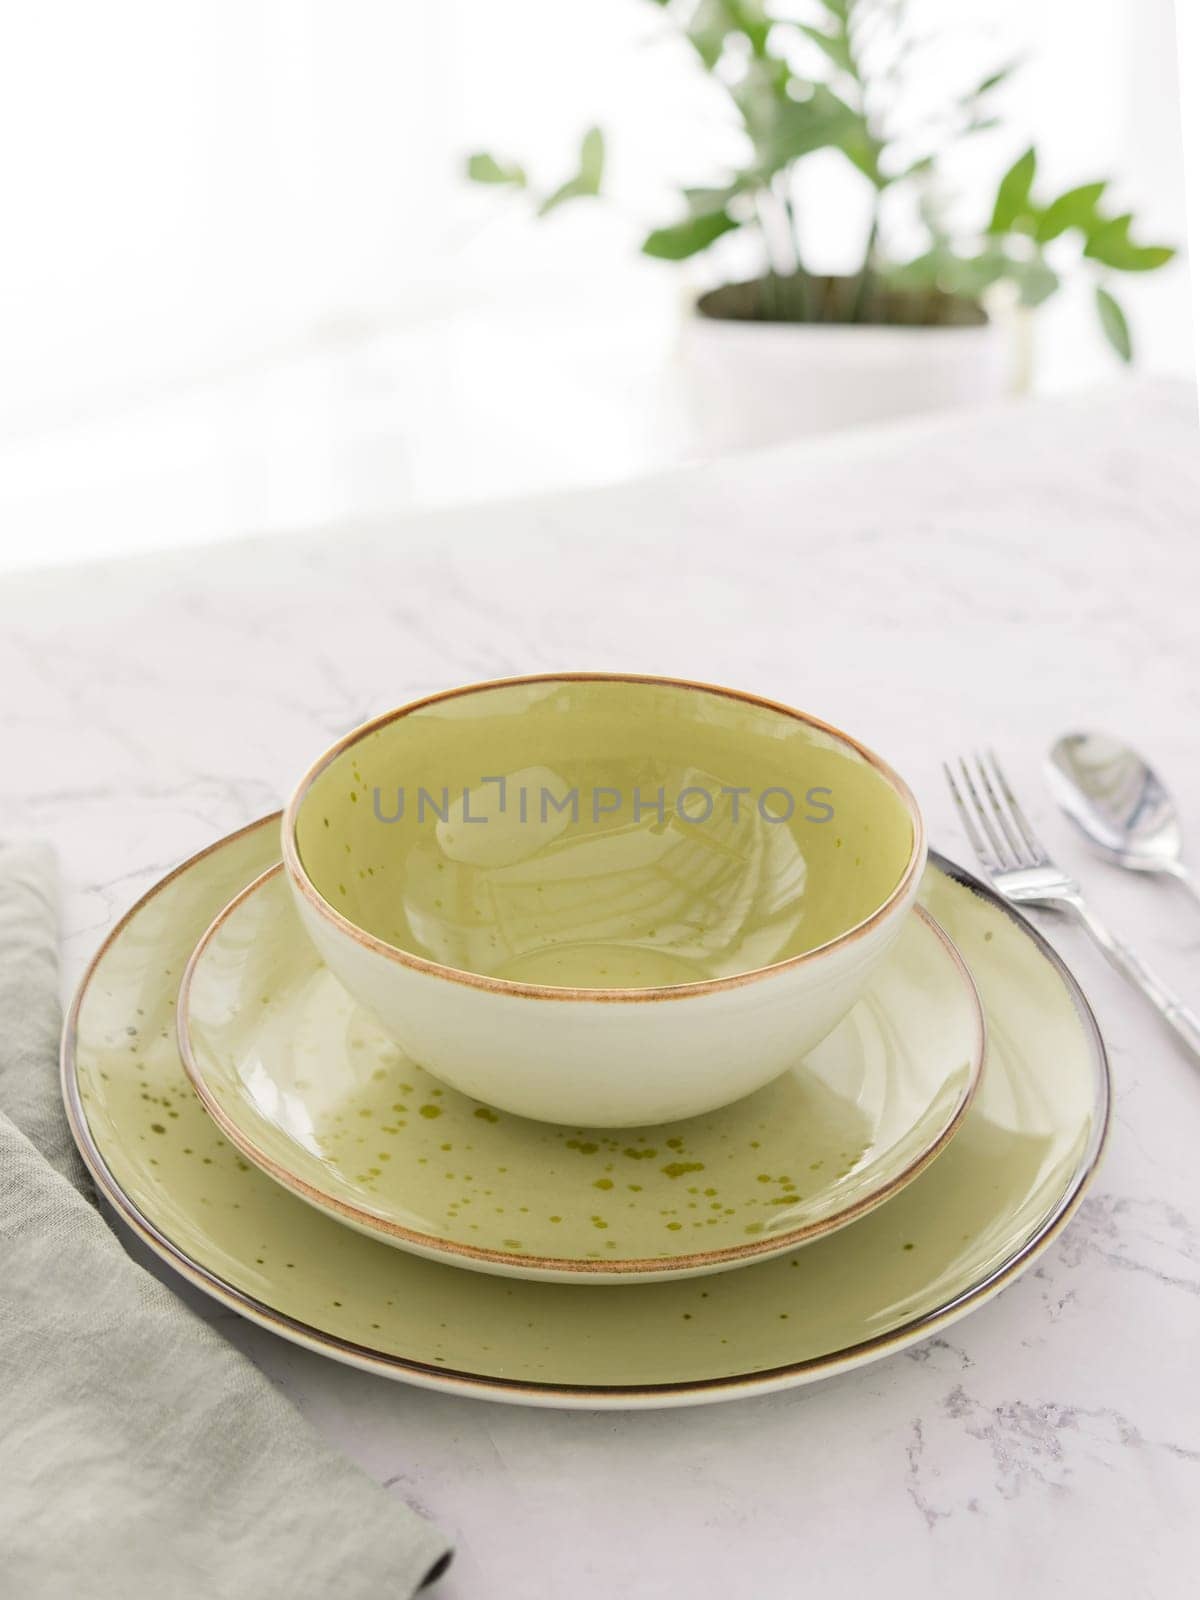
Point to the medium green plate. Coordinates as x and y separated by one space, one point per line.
964 1228
311 1089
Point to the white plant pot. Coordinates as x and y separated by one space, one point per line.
753 383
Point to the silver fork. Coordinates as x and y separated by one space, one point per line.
1017 863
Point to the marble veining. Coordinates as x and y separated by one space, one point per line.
1001 576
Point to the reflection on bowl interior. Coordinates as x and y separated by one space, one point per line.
603 834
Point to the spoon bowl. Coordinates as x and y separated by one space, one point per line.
1118 802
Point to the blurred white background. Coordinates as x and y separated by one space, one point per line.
244 287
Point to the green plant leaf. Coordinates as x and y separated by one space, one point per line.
836 46
972 276
708 31
783 130
1112 320
588 177
688 238
482 167
968 277
713 22
922 272
915 169
1012 197
1035 281
992 81
863 150
591 158
1109 244
1074 209
702 201
753 20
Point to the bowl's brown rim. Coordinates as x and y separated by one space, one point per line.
900 894
520 1263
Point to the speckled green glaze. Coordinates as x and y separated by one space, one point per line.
310 1088
960 1231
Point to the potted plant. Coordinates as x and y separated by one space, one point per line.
913 329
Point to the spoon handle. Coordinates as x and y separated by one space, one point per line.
1184 1021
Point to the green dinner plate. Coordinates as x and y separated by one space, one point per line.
963 1229
309 1087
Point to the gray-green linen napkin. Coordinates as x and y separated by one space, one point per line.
140 1454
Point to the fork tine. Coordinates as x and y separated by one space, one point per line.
1007 827
1002 856
984 854
1033 843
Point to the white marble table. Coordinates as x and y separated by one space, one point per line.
997 577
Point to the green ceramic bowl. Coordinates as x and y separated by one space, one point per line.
603 900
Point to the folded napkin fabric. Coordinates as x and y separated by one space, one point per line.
141 1454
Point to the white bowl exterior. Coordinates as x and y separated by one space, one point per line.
608 1063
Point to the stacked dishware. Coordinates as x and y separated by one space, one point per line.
588 1040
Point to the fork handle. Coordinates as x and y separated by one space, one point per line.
1184 1021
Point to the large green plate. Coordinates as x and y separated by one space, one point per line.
1005 1186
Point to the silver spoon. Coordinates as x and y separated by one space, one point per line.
1116 799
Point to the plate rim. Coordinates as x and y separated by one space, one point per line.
596 1396
541 1268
